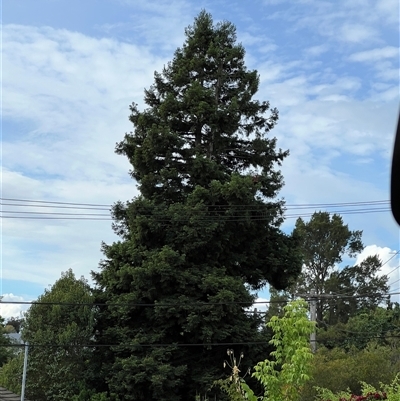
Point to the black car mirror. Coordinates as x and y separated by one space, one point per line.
395 178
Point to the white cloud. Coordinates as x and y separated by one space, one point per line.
356 33
387 74
348 126
67 74
327 117
267 48
158 24
274 2
12 310
38 250
391 265
72 92
261 305
388 96
261 43
376 54
315 51
388 10
270 71
357 22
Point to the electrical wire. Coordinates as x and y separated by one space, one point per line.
56 213
137 304
394 282
149 345
138 345
334 326
242 218
168 305
345 292
311 205
55 218
56 207
54 202
362 334
388 274
383 264
213 210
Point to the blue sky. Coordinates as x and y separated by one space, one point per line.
71 68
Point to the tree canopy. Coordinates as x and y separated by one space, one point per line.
204 234
325 241
57 329
5 352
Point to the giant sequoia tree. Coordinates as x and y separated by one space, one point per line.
204 234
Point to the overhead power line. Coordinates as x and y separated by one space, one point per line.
242 211
138 345
58 207
52 202
391 271
363 334
185 303
394 282
147 305
301 205
158 345
54 218
233 218
56 213
383 264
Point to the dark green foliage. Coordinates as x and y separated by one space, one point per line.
325 239
57 335
200 117
278 300
11 373
90 395
338 370
15 322
361 287
381 325
5 352
203 233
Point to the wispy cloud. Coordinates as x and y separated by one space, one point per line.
315 51
376 54
357 33
156 24
66 96
349 22
74 91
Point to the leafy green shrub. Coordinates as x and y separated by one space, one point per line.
389 392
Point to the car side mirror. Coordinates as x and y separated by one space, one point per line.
395 178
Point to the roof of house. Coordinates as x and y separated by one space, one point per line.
15 336
6 395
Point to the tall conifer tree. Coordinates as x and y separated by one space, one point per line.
204 235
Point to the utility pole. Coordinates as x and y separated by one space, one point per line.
312 296
313 318
24 372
